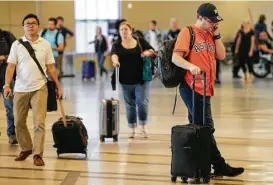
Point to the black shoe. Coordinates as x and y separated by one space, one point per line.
218 82
227 170
236 76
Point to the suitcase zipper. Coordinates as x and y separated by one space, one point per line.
197 133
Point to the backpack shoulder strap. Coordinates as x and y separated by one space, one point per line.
44 32
192 37
192 40
32 54
56 38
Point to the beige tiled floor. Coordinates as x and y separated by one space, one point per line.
244 131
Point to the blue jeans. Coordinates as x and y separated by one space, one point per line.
186 95
8 103
136 96
101 59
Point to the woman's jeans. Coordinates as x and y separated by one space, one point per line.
136 96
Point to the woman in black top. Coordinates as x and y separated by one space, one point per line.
244 49
101 48
126 54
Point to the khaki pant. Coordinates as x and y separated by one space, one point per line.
60 63
38 101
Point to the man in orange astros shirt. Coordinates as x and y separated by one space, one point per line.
207 47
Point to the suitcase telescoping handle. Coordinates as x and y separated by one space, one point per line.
62 111
204 95
117 82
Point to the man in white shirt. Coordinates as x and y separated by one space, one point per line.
154 36
30 88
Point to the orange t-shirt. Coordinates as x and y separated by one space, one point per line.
203 55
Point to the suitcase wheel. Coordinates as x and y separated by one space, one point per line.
102 138
206 180
184 179
197 181
174 179
115 138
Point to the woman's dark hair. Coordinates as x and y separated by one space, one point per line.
53 20
126 23
118 23
31 15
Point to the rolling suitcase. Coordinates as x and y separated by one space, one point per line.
69 134
88 69
190 144
109 116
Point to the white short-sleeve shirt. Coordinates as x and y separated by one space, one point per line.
28 76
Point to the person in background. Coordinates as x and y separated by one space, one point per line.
245 49
67 34
261 26
6 40
101 48
265 46
126 54
55 38
236 66
154 36
218 71
174 31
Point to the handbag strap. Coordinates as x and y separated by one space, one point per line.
138 43
31 51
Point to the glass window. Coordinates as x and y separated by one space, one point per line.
88 15
96 9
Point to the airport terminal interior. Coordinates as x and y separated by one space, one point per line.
241 110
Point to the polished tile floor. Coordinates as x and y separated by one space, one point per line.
244 131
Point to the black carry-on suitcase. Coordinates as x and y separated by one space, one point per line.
69 134
190 144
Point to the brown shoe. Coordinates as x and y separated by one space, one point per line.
23 155
38 161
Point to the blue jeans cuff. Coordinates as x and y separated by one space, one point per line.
142 122
132 125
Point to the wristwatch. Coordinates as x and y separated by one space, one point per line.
6 86
215 37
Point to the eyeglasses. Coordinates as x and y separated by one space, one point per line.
209 21
29 24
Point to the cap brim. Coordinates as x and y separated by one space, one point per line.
216 19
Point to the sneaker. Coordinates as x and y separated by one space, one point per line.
38 161
13 140
227 170
144 134
132 135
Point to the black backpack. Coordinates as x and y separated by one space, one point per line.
170 74
6 40
56 37
4 45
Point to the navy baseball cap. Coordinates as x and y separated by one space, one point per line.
210 11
